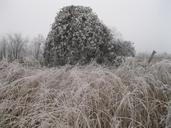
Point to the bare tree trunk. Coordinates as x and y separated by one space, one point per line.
151 57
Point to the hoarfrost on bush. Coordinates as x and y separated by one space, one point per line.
78 36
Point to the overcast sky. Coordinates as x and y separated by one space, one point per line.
145 22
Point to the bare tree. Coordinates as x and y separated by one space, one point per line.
3 48
16 45
38 43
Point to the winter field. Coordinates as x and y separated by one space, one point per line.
135 95
83 73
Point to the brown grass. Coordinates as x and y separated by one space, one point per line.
135 95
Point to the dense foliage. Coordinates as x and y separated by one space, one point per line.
78 36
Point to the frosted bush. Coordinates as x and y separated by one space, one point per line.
78 36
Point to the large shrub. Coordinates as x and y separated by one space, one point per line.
78 36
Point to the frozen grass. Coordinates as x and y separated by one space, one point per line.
135 95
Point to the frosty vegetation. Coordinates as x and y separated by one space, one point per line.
94 78
16 47
79 37
135 95
12 47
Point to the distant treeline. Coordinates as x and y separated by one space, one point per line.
16 47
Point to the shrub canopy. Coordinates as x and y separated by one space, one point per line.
78 36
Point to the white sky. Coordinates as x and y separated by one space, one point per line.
145 22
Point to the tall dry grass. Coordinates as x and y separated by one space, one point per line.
135 95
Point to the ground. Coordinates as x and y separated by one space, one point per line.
135 95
